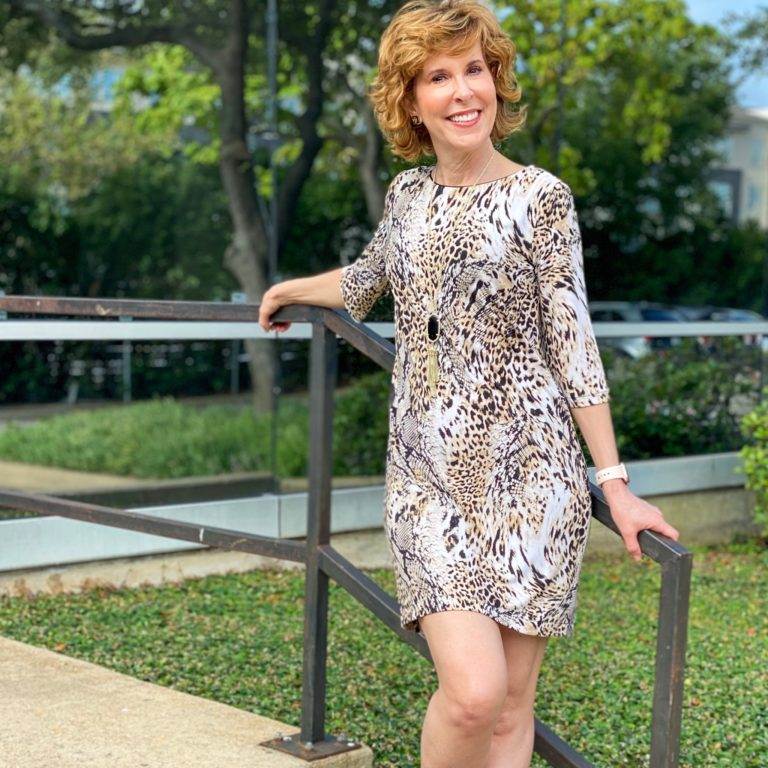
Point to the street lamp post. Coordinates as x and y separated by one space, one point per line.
269 139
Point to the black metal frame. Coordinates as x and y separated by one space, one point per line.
323 562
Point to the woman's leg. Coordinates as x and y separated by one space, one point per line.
471 669
512 741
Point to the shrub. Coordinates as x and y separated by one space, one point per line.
755 459
683 400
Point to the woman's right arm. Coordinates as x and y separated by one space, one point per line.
322 290
355 287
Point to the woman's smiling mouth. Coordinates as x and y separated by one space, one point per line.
468 118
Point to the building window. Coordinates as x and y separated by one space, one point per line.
724 192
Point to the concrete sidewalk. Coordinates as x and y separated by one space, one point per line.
19 476
59 712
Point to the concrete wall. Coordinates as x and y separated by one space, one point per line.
60 555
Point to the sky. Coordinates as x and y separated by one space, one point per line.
754 91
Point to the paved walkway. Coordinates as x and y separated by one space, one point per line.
59 712
33 477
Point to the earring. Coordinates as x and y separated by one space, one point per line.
415 120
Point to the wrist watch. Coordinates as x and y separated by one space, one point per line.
609 473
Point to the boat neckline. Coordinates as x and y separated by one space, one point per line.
429 169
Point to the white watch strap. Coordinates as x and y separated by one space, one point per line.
609 473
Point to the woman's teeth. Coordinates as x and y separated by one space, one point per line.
467 118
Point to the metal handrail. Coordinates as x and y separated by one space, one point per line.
322 561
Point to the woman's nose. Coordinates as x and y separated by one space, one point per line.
463 89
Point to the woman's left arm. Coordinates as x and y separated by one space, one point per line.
572 354
630 513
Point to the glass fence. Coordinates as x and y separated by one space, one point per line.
175 398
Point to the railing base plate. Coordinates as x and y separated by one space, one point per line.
331 745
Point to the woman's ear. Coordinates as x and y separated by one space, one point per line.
409 106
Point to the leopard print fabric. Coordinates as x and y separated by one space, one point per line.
487 505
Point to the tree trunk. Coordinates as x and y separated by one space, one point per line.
247 254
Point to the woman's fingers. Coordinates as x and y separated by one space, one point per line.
267 308
667 530
632 515
633 545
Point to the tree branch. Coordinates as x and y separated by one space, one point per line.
68 27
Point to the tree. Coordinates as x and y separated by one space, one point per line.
642 111
218 34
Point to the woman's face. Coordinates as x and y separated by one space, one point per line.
448 85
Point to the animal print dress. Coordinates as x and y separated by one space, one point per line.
487 506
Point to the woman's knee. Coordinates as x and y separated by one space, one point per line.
476 703
516 714
469 659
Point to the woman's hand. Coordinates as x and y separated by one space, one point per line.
271 301
633 514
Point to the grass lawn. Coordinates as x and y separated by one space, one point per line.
237 639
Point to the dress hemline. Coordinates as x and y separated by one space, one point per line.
411 622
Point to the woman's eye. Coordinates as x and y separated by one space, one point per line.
472 69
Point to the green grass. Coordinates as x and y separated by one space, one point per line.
237 639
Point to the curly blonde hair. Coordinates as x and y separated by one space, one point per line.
419 29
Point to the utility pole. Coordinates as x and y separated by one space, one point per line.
560 89
274 212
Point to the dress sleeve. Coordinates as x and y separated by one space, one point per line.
569 343
365 280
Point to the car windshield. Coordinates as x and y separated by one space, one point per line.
650 313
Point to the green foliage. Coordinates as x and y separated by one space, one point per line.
755 459
641 119
237 639
166 90
53 143
361 426
161 439
654 106
674 402
682 400
165 439
156 230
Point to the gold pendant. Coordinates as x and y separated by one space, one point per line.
432 369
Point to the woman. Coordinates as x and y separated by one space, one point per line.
487 499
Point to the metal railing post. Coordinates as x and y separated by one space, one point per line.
322 378
670 661
237 297
127 366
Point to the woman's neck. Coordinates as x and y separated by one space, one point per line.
464 169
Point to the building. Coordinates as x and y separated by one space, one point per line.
741 182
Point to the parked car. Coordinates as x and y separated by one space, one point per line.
694 313
637 312
736 315
621 311
655 312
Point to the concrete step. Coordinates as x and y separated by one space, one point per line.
364 549
60 712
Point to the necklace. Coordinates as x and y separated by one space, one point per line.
433 321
